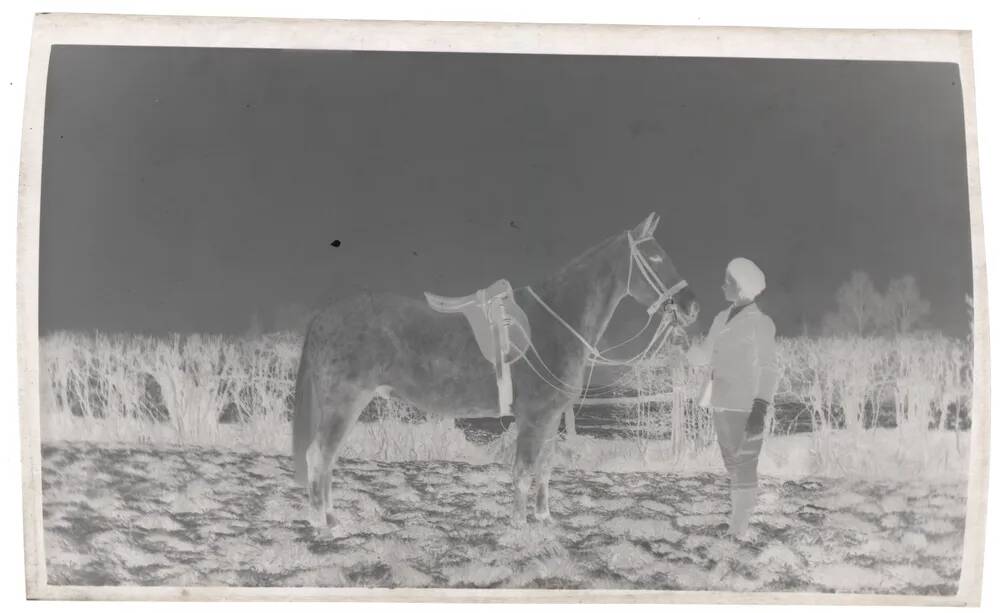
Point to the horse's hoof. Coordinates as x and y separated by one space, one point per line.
316 519
323 533
544 518
721 571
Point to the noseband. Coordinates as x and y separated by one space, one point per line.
663 293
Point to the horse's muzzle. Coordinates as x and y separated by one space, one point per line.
688 317
683 307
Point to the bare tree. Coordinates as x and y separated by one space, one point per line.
904 308
860 302
860 307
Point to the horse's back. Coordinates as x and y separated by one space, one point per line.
398 318
372 340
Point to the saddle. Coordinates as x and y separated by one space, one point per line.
500 327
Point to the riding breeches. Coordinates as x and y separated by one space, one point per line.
738 454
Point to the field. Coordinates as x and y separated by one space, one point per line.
165 462
190 516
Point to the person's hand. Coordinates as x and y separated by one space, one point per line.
696 355
755 424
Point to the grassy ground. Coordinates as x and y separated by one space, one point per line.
881 453
166 515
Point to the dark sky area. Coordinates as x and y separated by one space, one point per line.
185 189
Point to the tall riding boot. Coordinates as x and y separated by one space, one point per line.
743 501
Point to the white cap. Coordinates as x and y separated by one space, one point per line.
748 276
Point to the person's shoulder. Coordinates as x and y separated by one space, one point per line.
764 320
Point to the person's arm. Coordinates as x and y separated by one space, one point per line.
767 382
700 354
767 359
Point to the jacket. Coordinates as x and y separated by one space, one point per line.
743 359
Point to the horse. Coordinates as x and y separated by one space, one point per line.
379 343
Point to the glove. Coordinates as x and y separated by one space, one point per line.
755 424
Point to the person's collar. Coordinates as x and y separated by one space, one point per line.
736 310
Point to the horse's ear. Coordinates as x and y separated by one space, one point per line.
652 226
643 229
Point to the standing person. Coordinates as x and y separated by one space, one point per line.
740 350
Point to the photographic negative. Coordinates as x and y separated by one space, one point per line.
545 312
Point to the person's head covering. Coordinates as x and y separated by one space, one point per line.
748 276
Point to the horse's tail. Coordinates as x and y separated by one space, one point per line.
303 429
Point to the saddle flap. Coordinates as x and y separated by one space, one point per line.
514 326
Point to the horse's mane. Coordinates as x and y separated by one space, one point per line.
578 261
588 254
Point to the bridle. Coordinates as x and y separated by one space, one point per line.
666 329
664 294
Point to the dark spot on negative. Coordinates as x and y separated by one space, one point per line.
514 225
335 243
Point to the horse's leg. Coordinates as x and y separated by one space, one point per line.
546 459
345 407
531 437
529 443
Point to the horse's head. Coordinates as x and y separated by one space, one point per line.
653 280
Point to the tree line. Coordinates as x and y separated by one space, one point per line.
862 310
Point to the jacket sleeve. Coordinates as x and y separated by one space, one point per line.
701 354
767 359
